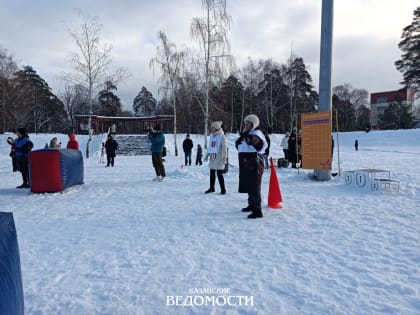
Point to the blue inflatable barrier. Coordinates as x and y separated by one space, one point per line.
11 289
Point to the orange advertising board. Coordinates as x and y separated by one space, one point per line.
316 141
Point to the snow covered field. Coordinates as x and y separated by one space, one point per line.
124 244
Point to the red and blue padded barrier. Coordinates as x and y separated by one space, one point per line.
53 170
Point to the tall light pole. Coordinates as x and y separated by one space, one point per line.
325 99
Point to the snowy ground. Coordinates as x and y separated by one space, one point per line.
124 244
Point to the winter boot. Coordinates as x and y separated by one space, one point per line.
257 213
222 185
248 209
212 182
24 185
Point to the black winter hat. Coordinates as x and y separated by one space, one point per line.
21 130
157 127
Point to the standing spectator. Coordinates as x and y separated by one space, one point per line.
54 144
285 145
23 146
187 146
217 154
199 155
251 146
72 144
356 145
111 146
12 153
267 151
293 148
158 142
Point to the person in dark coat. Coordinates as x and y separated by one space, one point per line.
267 151
356 145
187 146
111 146
251 146
23 146
199 156
293 143
157 138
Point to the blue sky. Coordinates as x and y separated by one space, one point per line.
366 34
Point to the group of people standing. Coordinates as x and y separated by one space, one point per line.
22 145
291 148
187 146
252 146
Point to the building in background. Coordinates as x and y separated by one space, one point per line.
123 125
379 101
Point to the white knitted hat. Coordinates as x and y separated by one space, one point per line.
216 125
254 120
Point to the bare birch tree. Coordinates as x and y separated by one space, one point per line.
170 62
92 62
211 32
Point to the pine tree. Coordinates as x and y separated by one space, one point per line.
396 116
109 103
409 64
144 103
35 106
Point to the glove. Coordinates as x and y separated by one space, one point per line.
247 137
10 140
239 141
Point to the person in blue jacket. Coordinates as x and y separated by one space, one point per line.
23 146
157 138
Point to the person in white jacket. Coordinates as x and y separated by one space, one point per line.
251 146
217 156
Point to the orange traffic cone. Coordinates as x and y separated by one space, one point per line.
274 194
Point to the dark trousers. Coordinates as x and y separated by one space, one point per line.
254 198
219 177
251 169
158 164
187 158
22 164
286 154
109 160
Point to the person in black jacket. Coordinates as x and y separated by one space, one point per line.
110 147
293 148
198 160
251 146
187 146
23 146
